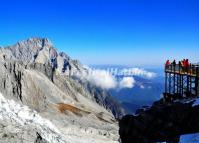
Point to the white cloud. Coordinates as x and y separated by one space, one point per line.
142 87
127 82
139 72
106 80
102 79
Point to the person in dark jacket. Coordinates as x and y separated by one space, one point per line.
174 62
174 65
180 66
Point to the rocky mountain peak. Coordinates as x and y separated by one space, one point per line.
38 50
33 73
35 42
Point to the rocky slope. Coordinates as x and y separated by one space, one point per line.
34 74
20 124
164 121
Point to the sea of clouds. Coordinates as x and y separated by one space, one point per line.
107 78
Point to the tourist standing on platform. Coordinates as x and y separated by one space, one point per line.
183 65
186 65
174 65
167 64
180 65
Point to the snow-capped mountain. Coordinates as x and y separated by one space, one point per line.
34 74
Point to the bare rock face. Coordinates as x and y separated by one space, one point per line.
38 54
163 122
30 50
39 50
15 133
18 123
11 76
39 139
33 73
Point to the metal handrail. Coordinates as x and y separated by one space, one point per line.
176 68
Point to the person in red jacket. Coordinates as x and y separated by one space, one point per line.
186 65
183 65
184 61
167 63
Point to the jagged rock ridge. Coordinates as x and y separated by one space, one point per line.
33 73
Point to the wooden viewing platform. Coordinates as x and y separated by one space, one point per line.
181 81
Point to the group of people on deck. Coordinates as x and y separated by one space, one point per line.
184 64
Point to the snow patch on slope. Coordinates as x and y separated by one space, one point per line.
24 116
190 138
196 102
10 110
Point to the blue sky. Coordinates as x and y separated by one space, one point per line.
124 32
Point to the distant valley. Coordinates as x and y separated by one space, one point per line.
144 92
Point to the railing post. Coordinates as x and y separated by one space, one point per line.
166 82
174 79
191 78
196 80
